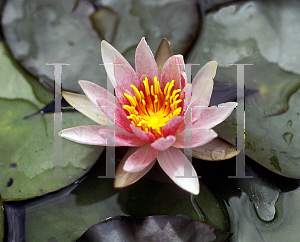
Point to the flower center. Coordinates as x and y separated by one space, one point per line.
152 109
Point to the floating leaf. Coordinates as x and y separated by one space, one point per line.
27 150
271 114
47 31
153 228
95 199
247 226
157 20
16 83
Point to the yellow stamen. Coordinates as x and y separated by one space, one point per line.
152 109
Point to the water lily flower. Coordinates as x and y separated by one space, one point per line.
153 112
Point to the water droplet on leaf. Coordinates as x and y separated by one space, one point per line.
287 137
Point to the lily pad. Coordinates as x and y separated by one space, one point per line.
248 226
153 228
95 199
272 114
45 31
157 20
16 83
1 220
27 150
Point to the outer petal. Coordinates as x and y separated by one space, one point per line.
172 125
88 134
174 163
212 116
103 98
140 159
97 135
172 71
162 143
125 75
144 61
85 106
111 57
146 137
215 150
194 138
124 178
203 82
95 92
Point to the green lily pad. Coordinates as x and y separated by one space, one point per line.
248 226
70 214
272 118
153 228
16 83
1 220
157 20
27 152
43 31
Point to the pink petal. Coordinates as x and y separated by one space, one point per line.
175 163
183 77
124 74
172 125
162 143
124 178
88 134
172 71
120 137
212 116
146 137
116 114
194 138
104 99
111 58
203 82
193 112
95 92
140 159
185 96
119 91
98 134
144 61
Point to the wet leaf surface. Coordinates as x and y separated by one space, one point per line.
42 31
152 228
27 167
248 227
70 212
271 114
16 83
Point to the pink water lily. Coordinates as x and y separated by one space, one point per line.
153 111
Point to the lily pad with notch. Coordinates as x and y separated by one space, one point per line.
27 148
153 228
